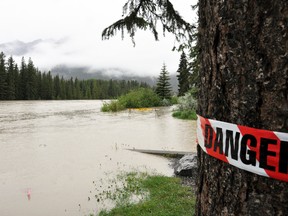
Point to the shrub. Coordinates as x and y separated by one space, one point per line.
113 106
142 97
185 114
187 105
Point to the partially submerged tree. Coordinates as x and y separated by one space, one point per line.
243 80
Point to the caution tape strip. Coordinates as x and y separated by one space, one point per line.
258 151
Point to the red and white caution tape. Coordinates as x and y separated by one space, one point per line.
259 151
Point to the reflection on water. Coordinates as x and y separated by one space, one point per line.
53 153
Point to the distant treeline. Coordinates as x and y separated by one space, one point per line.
28 83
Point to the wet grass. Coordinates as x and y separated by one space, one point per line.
151 195
185 114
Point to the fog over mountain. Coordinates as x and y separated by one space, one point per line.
20 48
84 73
36 48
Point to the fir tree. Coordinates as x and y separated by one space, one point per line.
183 75
12 76
3 77
23 80
163 88
31 84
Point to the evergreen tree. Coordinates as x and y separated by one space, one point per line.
77 90
16 81
39 84
12 76
183 75
57 87
63 95
23 81
3 77
31 83
163 87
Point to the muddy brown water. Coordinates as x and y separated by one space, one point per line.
56 155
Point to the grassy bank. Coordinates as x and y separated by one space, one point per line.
151 195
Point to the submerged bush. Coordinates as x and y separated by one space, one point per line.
142 97
112 106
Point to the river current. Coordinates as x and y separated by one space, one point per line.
55 155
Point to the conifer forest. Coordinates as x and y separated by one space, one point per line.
26 82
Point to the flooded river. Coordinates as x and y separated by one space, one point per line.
56 154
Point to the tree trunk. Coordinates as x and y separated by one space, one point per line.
243 80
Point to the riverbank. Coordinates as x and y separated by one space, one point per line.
144 194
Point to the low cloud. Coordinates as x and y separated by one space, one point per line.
20 48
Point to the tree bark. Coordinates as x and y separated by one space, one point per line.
243 80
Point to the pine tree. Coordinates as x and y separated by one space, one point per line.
163 87
57 87
12 75
31 84
3 77
183 75
23 80
77 89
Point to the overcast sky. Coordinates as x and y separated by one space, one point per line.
69 32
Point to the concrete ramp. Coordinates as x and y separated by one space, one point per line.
161 152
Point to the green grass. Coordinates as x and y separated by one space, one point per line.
185 114
163 196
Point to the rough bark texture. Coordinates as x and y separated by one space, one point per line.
243 80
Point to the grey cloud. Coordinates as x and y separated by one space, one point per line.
20 48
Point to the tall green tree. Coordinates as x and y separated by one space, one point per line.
23 80
163 86
57 87
243 80
12 77
183 75
3 77
31 82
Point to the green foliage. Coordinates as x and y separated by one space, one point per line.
188 101
3 75
139 98
174 100
159 195
187 105
183 75
142 97
144 14
194 65
29 83
163 87
185 114
113 106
